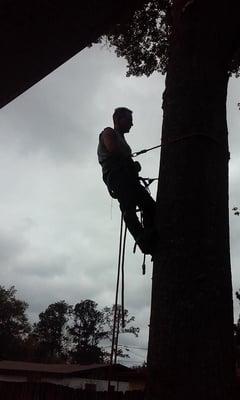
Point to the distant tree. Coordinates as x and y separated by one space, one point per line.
14 325
50 333
128 329
31 349
87 331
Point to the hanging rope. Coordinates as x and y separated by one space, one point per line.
116 293
116 317
123 260
117 335
117 311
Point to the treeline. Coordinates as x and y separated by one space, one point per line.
79 333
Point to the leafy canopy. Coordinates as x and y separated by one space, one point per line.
49 332
86 331
144 40
14 325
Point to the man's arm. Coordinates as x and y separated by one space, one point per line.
110 140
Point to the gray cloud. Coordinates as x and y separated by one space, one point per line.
11 247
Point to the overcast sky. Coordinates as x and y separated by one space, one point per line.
59 228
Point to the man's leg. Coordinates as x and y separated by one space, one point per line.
148 207
133 224
143 235
125 187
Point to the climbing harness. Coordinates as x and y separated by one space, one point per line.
147 182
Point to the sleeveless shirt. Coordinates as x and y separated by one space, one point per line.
112 162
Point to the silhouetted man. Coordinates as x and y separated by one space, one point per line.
120 174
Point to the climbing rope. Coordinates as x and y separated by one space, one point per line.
122 270
137 153
117 311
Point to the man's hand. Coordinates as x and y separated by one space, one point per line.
137 166
110 140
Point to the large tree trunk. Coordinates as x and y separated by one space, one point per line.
191 354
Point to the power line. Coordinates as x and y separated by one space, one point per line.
128 347
133 347
131 361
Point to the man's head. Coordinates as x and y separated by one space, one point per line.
122 119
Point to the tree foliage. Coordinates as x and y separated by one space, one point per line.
128 319
14 325
144 40
63 333
50 332
86 332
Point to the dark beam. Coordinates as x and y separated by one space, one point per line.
38 36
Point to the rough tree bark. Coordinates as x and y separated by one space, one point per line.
191 354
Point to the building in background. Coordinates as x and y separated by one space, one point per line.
94 377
